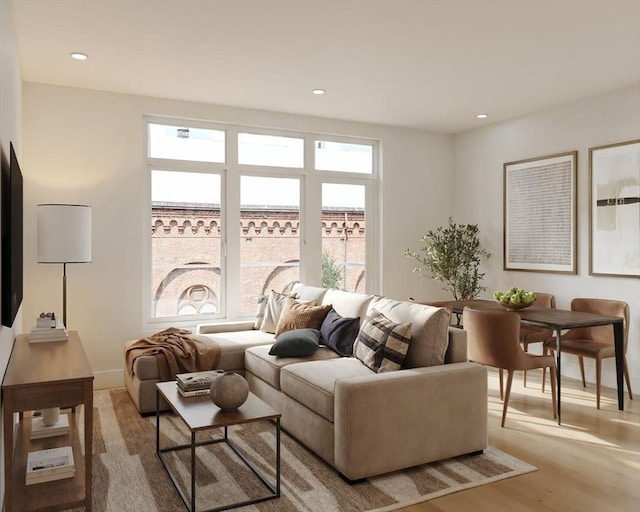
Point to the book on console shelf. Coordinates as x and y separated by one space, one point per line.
44 332
50 478
48 465
58 337
58 333
39 430
197 380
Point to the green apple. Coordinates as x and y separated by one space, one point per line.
515 295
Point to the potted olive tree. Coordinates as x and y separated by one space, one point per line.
451 255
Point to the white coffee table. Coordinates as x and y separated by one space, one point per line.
199 414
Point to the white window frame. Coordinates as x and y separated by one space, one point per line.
311 181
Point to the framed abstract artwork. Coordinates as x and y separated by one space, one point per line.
614 221
539 214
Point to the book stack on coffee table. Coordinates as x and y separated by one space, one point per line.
197 383
49 465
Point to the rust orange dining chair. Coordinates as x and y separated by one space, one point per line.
594 342
530 334
493 339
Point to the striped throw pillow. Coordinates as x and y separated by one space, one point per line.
381 344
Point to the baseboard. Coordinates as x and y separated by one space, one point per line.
109 379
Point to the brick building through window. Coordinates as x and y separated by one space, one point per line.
186 254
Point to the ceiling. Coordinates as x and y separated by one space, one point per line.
427 64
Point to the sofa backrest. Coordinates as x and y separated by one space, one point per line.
348 304
429 329
457 349
433 340
306 292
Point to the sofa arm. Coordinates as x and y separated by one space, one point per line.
389 421
245 325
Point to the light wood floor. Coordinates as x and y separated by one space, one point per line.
591 463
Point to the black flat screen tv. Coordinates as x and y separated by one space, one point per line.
12 237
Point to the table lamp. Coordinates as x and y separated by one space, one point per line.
64 236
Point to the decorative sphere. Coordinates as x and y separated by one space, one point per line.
229 391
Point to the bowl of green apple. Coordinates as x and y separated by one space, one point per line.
515 298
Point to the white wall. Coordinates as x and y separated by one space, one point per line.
87 147
478 161
10 130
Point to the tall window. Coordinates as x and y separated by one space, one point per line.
208 179
343 236
185 243
269 237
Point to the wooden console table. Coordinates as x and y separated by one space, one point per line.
39 376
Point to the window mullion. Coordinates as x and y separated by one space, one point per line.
311 212
232 224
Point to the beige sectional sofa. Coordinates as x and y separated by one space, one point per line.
361 422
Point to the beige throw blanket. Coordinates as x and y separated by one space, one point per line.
177 351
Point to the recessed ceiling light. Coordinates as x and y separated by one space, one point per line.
482 116
318 91
79 56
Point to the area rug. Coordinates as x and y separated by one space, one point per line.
128 476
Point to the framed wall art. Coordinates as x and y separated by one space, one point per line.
540 214
614 221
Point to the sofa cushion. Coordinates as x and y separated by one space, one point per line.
312 383
348 304
233 344
382 344
300 316
429 332
339 333
267 367
296 343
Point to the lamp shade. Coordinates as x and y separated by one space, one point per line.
64 233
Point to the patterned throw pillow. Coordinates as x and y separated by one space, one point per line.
381 344
296 315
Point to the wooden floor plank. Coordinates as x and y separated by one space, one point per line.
589 464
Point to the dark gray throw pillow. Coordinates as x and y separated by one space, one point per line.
339 333
296 343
